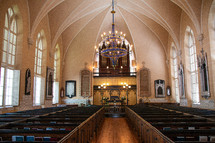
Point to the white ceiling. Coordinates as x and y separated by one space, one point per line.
67 18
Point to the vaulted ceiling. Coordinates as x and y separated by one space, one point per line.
67 18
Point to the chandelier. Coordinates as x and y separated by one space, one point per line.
113 45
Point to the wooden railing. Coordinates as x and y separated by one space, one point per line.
86 131
146 132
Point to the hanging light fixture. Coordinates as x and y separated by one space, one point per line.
113 46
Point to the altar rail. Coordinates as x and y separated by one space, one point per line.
86 131
146 132
114 108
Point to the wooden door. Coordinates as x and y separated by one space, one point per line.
132 97
97 98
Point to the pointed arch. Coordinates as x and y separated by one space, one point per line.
39 69
174 72
55 99
191 65
9 75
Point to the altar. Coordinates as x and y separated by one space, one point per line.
114 102
114 92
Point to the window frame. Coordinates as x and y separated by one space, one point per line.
193 67
175 72
56 75
8 62
38 69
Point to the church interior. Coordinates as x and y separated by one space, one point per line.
107 71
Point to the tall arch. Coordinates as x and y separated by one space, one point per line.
39 69
211 29
55 99
191 66
9 95
174 72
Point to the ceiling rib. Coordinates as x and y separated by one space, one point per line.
71 19
80 31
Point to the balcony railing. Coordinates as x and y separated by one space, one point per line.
116 74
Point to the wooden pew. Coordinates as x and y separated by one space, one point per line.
184 125
146 132
63 124
86 131
194 111
178 128
7 134
21 115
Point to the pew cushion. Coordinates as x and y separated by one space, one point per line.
191 128
17 138
203 138
180 138
166 128
46 138
30 139
212 138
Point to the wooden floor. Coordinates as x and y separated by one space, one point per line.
116 130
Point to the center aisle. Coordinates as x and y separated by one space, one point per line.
116 130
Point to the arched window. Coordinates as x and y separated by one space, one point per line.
211 30
38 55
174 63
193 66
39 81
9 87
56 75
